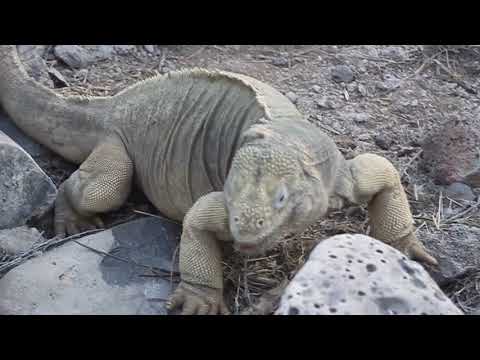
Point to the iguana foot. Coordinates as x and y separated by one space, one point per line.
68 221
198 300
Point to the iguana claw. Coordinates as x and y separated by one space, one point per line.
198 300
68 221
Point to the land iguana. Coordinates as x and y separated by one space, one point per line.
228 155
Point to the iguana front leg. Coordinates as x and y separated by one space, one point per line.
201 289
373 180
101 184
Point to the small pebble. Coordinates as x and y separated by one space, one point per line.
292 97
342 73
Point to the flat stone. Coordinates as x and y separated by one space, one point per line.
358 275
72 279
74 56
26 192
18 240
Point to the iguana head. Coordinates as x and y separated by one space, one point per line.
270 192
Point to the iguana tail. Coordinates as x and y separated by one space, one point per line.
69 126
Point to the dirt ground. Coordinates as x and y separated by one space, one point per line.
388 108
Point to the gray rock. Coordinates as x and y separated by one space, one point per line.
382 142
325 103
459 191
393 52
17 135
28 51
280 61
390 83
149 48
57 78
72 279
292 97
31 57
456 251
451 153
342 73
103 52
124 49
74 56
358 275
18 240
26 192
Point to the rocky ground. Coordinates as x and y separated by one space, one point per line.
416 106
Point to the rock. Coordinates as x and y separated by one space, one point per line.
390 83
31 57
451 153
26 192
72 279
57 78
356 274
292 97
18 136
124 49
149 48
74 56
459 191
280 61
325 103
342 73
28 51
360 118
362 90
103 52
393 52
456 250
18 240
382 142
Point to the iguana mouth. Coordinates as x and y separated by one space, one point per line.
252 248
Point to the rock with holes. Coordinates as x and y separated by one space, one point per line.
451 153
356 274
72 279
26 192
18 240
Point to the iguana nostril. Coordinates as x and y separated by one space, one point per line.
236 219
260 223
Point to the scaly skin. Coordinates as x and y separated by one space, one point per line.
226 154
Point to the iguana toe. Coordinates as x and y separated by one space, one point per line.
197 300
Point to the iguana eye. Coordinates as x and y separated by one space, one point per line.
281 197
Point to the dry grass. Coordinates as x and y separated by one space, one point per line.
465 292
253 280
